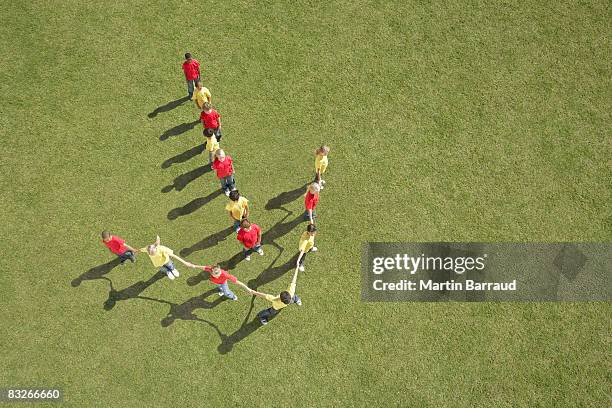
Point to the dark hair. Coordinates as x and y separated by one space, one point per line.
285 297
234 195
105 234
311 228
187 55
245 221
208 132
198 82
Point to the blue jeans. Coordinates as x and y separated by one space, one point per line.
127 255
307 218
270 312
191 86
224 288
236 225
249 251
228 183
168 267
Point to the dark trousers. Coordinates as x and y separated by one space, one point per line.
217 133
304 257
271 312
126 255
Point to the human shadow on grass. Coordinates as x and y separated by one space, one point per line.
228 265
168 107
272 273
208 242
183 180
131 291
183 157
280 229
97 272
193 205
245 330
178 130
285 198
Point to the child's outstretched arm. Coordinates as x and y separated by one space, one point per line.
184 262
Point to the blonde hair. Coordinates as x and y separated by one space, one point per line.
323 149
314 188
219 152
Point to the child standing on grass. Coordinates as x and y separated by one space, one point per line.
160 257
211 119
201 95
220 277
279 302
225 171
307 245
119 247
212 144
191 68
238 208
321 164
311 198
250 236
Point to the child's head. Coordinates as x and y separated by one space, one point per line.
285 297
207 106
311 229
216 271
220 154
208 132
322 150
152 249
106 236
234 195
314 188
199 84
188 56
245 224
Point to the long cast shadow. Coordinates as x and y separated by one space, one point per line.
168 107
193 205
183 157
183 180
280 200
208 242
131 291
185 310
271 273
280 229
178 130
97 272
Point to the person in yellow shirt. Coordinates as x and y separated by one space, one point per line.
238 208
321 164
279 302
160 257
307 244
212 145
201 95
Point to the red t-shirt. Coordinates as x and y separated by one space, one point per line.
222 278
210 119
191 69
224 168
249 238
311 200
116 245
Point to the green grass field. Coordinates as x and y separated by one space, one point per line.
470 121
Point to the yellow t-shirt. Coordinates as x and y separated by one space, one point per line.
201 96
162 256
277 303
237 208
306 242
212 145
321 163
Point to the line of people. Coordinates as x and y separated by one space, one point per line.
248 233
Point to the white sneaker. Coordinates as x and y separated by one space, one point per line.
299 302
301 268
227 193
260 251
175 272
235 298
322 182
314 249
248 258
220 293
170 275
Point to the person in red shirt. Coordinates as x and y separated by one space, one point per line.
311 198
250 236
211 120
220 277
225 171
191 68
119 247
